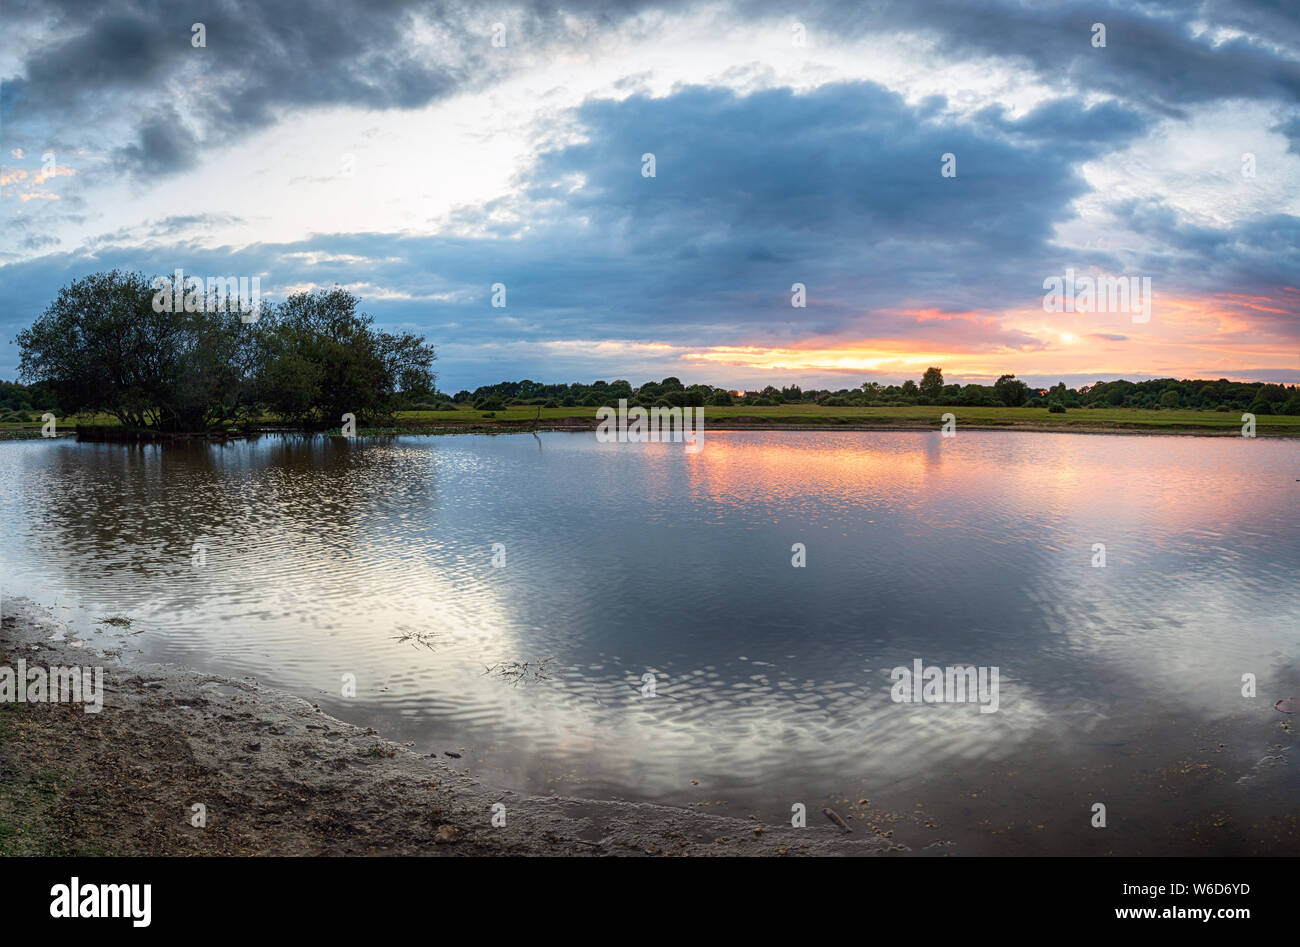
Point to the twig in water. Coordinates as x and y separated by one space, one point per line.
516 671
417 638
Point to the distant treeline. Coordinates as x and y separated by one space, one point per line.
25 402
1159 393
185 362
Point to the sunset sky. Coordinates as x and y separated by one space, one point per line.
392 148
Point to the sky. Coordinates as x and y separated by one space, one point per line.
921 170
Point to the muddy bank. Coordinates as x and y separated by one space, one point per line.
276 776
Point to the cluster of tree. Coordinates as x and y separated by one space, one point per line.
104 346
667 393
1159 393
1199 394
20 402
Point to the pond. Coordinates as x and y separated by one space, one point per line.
628 621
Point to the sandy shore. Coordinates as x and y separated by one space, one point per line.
277 776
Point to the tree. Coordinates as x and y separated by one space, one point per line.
103 345
1009 391
321 359
982 395
1169 399
932 384
109 343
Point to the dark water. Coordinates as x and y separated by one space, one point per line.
1119 685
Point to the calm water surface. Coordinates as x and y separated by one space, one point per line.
1119 685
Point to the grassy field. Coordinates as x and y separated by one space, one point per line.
811 415
792 415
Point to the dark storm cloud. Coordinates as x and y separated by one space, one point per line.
1066 121
264 58
259 59
115 50
164 147
839 188
1152 53
1263 253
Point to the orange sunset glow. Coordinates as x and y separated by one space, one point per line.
1218 336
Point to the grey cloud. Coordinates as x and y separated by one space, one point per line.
114 50
164 146
1291 129
1152 55
1068 121
176 224
262 59
36 242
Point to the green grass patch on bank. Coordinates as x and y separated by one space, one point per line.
793 415
813 414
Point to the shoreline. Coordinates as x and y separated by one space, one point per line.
732 425
278 776
729 425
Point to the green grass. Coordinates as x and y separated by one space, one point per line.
812 414
22 430
28 801
28 831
